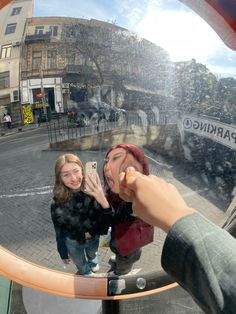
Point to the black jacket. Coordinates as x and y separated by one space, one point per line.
72 219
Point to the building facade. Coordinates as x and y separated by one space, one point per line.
50 64
42 66
12 24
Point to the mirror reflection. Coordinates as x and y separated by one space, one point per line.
81 85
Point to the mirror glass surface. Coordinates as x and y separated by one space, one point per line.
164 81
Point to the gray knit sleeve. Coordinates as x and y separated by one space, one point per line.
202 259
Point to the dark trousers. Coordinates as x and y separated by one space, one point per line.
124 264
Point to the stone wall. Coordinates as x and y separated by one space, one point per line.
162 139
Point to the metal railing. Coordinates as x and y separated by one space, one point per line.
62 130
65 129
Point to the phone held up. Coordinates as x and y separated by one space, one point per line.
90 171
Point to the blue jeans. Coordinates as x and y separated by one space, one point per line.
84 255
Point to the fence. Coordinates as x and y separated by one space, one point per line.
63 129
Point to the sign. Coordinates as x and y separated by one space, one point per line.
38 105
27 114
40 95
219 132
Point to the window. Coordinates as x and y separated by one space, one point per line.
16 11
39 30
6 51
36 59
71 58
54 30
70 31
10 28
5 79
52 59
15 95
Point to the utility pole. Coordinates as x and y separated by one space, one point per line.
43 94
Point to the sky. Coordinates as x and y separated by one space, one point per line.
187 36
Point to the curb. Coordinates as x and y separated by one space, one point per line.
18 129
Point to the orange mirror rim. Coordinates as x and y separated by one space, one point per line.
58 283
63 284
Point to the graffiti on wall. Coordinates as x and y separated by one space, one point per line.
27 114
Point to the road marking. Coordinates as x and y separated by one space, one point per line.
48 189
39 188
188 194
27 193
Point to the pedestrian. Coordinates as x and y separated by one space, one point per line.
198 254
77 216
117 158
7 119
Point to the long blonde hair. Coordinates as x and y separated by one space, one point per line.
61 192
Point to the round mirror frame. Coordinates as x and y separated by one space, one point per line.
63 284
68 285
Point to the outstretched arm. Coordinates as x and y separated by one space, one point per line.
197 253
154 200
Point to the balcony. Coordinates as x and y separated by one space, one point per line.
36 73
30 39
78 69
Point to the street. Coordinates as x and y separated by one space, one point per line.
26 182
26 189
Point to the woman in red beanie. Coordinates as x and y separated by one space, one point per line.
117 159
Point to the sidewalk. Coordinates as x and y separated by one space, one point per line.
21 128
13 130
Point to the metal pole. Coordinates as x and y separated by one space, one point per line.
42 92
110 307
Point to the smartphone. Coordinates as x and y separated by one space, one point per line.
90 170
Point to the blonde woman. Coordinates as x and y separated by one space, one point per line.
78 216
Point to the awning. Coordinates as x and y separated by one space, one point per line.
136 88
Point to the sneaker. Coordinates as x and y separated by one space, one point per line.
88 274
95 268
115 274
112 259
91 275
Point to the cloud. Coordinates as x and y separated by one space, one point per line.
222 61
181 32
222 71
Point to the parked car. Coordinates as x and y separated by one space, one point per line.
90 112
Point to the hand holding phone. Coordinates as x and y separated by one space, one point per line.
93 186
